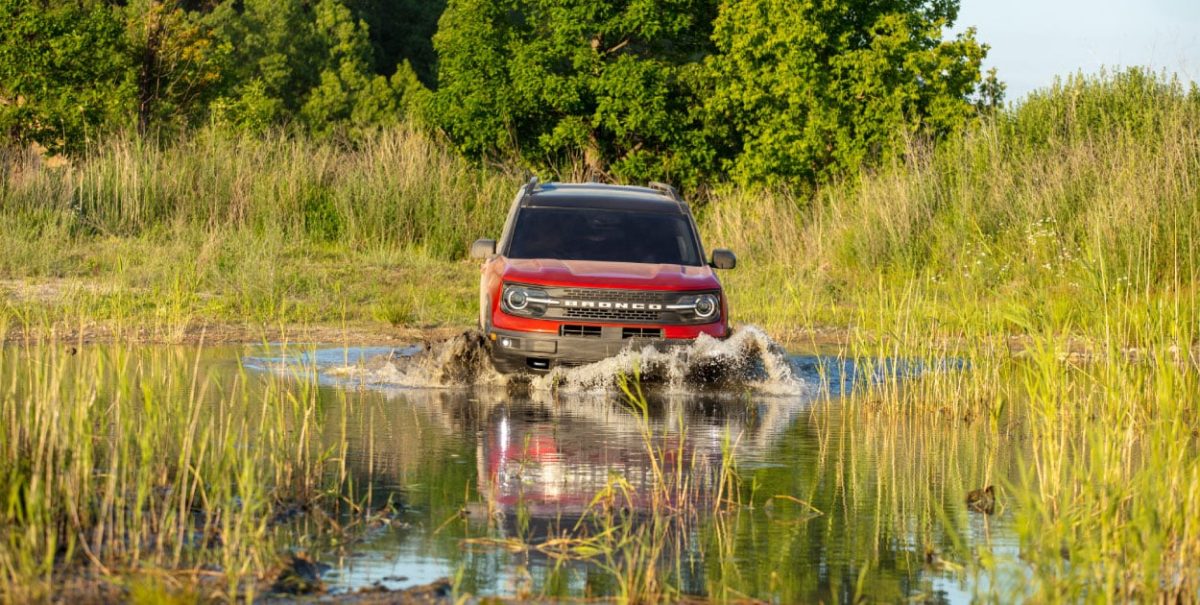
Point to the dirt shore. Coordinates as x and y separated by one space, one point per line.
220 333
828 340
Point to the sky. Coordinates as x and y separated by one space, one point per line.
1035 40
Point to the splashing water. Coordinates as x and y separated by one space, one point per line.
747 359
455 362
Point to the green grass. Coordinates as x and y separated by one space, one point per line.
269 231
1083 193
1104 492
132 465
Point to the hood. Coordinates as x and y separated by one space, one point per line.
601 274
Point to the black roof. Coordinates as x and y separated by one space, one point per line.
604 197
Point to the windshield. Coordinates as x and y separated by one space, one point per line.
604 235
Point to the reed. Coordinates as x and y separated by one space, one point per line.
1093 423
1082 192
116 462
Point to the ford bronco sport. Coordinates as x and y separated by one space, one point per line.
583 271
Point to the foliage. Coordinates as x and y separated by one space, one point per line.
765 90
807 90
607 86
347 92
166 64
402 31
63 72
688 91
306 62
178 61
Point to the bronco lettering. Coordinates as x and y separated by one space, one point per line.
597 304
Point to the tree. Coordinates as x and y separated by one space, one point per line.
276 55
179 62
64 72
805 89
402 31
609 85
349 92
310 62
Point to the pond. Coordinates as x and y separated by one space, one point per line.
728 471
796 494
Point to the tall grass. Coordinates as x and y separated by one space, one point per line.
115 461
1109 500
1103 493
397 189
1069 221
1082 192
221 227
1050 255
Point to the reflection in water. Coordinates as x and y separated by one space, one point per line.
834 501
836 498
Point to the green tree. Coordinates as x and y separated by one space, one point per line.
311 62
349 92
402 31
64 72
276 55
606 85
180 63
805 89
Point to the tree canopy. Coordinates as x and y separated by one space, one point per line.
805 88
765 91
608 85
63 71
688 91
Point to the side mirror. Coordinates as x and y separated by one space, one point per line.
723 259
483 248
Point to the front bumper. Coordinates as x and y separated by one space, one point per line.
514 351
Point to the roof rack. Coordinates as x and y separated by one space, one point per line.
528 189
666 190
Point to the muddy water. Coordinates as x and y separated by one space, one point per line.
832 502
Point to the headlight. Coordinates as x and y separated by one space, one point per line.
701 307
517 299
707 306
524 301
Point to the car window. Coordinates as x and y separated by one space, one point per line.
604 235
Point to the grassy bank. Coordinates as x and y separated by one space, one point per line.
1083 195
263 231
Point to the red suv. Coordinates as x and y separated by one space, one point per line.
583 271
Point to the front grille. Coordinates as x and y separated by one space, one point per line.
612 314
582 331
641 332
640 296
